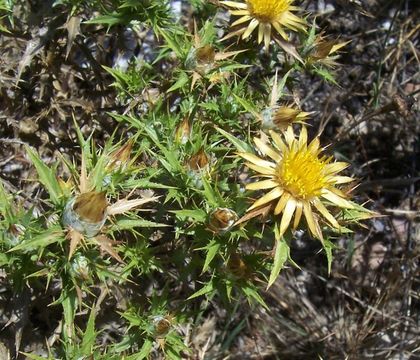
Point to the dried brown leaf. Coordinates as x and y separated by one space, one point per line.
75 238
73 29
263 211
289 48
106 244
124 205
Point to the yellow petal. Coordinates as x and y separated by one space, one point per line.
262 170
235 4
298 214
282 203
256 160
241 20
239 13
303 137
342 179
251 27
313 147
336 167
335 199
270 196
278 141
267 150
287 215
280 30
289 135
260 32
261 185
267 36
325 213
311 221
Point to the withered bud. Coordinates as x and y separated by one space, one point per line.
183 131
281 117
121 156
237 266
322 49
403 104
199 161
201 59
91 206
205 55
222 219
151 95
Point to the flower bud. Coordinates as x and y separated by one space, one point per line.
201 59
237 266
280 117
151 95
161 325
183 131
15 234
199 161
120 157
80 266
222 219
86 212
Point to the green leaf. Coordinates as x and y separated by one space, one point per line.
280 257
69 304
181 82
211 195
5 204
246 105
145 350
212 250
240 145
89 336
172 42
328 248
110 20
33 356
50 236
251 292
46 176
326 75
127 224
208 288
196 214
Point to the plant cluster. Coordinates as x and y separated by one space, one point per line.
216 175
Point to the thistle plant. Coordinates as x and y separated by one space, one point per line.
170 216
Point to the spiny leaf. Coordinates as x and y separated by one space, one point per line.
240 145
46 176
89 335
204 290
281 255
212 250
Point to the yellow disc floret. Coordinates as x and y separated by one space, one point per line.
301 173
267 10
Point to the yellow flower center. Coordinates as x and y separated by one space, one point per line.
301 173
267 10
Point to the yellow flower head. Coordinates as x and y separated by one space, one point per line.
300 180
265 14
